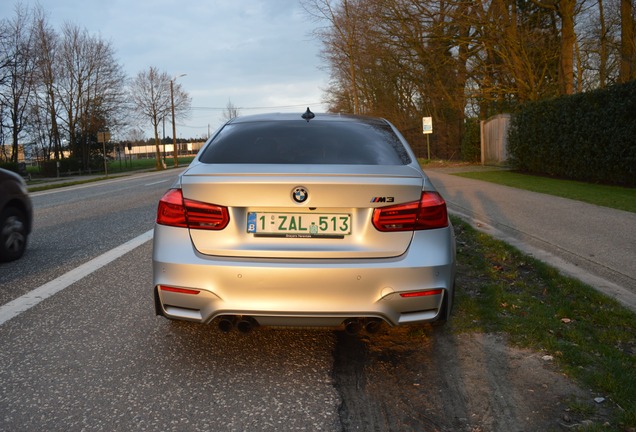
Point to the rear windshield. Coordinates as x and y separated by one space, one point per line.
300 142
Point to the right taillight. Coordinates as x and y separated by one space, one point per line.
427 213
176 211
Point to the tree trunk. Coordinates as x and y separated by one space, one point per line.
603 48
628 42
568 38
159 163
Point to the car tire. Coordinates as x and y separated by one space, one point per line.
13 234
446 309
444 314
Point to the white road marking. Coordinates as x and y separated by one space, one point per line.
155 183
32 298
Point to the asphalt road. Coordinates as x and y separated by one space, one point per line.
592 243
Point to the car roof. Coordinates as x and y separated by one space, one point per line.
319 117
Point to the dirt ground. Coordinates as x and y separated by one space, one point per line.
406 380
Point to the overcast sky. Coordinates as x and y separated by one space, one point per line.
260 54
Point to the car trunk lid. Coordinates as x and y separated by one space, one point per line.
313 211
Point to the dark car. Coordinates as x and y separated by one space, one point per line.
16 216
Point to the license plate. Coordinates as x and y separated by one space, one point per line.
298 225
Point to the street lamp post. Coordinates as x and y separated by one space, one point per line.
174 126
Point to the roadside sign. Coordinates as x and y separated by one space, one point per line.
427 125
427 128
103 137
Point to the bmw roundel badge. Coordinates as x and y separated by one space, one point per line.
300 194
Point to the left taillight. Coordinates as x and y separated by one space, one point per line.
176 211
427 213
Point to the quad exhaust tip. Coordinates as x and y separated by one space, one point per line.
373 325
226 323
353 326
246 324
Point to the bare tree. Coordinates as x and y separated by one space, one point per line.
45 108
150 92
151 96
518 57
343 36
414 58
566 10
135 135
410 61
598 45
5 61
231 111
90 89
53 86
18 69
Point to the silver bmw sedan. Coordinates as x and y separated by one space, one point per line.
312 220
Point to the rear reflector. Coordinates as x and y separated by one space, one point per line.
178 290
422 293
176 211
427 213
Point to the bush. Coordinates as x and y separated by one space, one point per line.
587 137
49 168
471 141
11 166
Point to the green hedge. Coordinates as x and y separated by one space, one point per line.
471 145
588 136
11 166
49 168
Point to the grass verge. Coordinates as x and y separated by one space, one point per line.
33 187
140 164
591 337
616 197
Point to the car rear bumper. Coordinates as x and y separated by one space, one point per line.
303 292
